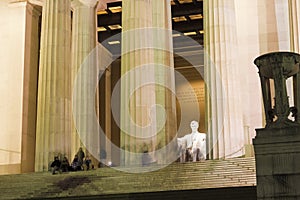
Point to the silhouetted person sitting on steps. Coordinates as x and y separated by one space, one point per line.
80 155
75 165
88 163
65 165
55 165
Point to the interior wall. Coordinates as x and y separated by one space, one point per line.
12 40
104 117
191 102
115 71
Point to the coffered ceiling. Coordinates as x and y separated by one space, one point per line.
187 20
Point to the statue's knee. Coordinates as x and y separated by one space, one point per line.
195 150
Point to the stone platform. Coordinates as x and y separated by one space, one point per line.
109 183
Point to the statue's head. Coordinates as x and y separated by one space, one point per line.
194 125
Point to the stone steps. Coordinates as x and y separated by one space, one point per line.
237 172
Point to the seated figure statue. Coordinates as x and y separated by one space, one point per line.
192 145
181 143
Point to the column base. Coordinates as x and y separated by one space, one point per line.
249 150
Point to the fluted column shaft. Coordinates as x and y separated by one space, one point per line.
83 43
53 117
294 15
294 25
224 112
141 116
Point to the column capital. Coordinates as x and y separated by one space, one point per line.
34 9
37 2
88 3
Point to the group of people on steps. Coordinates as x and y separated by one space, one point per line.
78 163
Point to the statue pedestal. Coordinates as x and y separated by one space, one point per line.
277 154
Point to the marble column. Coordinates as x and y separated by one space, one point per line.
294 15
53 131
294 26
224 111
83 43
30 81
145 107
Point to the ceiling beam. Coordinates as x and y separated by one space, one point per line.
185 26
114 4
109 19
103 35
187 9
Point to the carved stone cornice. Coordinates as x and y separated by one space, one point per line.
90 3
16 3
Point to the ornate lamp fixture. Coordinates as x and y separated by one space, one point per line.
274 69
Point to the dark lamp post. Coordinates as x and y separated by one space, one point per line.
279 66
